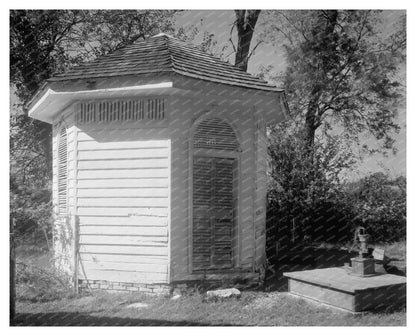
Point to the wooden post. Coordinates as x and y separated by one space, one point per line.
12 271
76 253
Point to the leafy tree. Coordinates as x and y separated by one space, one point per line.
305 196
342 71
341 80
379 204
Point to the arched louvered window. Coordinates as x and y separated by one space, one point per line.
215 133
62 171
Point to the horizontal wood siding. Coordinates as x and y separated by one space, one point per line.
123 207
123 183
140 231
124 258
127 173
140 250
122 154
151 221
124 192
119 211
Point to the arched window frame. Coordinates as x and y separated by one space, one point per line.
235 154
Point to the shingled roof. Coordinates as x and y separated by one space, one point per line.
163 53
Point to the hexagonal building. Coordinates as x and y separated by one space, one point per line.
159 167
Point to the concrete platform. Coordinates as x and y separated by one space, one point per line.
338 287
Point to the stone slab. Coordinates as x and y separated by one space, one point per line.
321 294
337 287
340 279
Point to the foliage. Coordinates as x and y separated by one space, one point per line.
342 71
342 80
306 194
31 209
309 202
36 283
379 204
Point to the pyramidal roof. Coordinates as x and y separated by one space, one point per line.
164 53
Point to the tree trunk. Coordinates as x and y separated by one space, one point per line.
328 42
245 22
310 120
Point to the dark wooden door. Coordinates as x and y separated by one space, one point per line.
214 181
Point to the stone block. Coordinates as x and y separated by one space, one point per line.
362 266
133 289
119 287
223 294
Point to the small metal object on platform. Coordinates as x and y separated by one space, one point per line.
334 286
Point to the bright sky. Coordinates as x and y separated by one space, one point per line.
219 23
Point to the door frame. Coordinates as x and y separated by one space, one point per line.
220 153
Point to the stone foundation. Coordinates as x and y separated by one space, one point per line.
193 283
110 286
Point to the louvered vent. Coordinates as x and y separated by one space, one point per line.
121 110
216 134
62 171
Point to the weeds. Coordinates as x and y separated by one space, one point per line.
37 284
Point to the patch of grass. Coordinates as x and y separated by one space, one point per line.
36 278
44 299
253 308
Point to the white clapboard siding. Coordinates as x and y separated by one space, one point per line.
120 240
124 258
123 207
125 173
130 267
90 145
123 164
123 154
71 192
124 276
143 231
123 183
125 192
71 174
71 164
127 221
117 211
150 250
123 202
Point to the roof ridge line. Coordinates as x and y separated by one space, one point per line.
170 54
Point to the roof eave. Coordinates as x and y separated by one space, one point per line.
50 103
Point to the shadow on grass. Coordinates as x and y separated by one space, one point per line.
80 319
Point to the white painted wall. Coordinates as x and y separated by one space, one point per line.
123 204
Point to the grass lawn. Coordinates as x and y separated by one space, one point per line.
49 304
253 308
